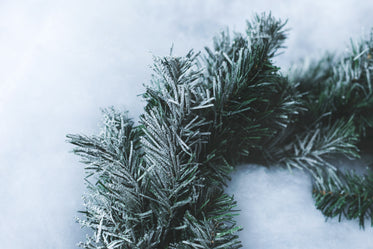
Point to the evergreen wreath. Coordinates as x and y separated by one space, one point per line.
160 184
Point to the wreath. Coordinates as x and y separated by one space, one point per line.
161 183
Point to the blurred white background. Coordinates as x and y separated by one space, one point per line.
61 61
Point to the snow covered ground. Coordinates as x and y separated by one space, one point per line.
277 211
61 61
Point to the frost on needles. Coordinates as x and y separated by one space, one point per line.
160 184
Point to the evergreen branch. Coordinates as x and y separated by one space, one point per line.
340 87
175 136
161 184
311 150
352 200
116 207
341 91
251 101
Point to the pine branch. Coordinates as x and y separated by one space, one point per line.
251 101
312 149
115 207
161 184
342 88
352 200
341 91
175 136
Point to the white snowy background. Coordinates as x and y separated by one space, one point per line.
61 61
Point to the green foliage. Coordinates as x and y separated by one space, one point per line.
253 101
175 137
339 92
116 204
312 148
150 182
160 184
341 88
353 199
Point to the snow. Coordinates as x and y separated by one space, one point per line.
61 61
277 211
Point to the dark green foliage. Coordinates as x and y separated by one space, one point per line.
152 186
341 94
342 88
161 184
311 149
352 200
183 189
116 207
253 101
